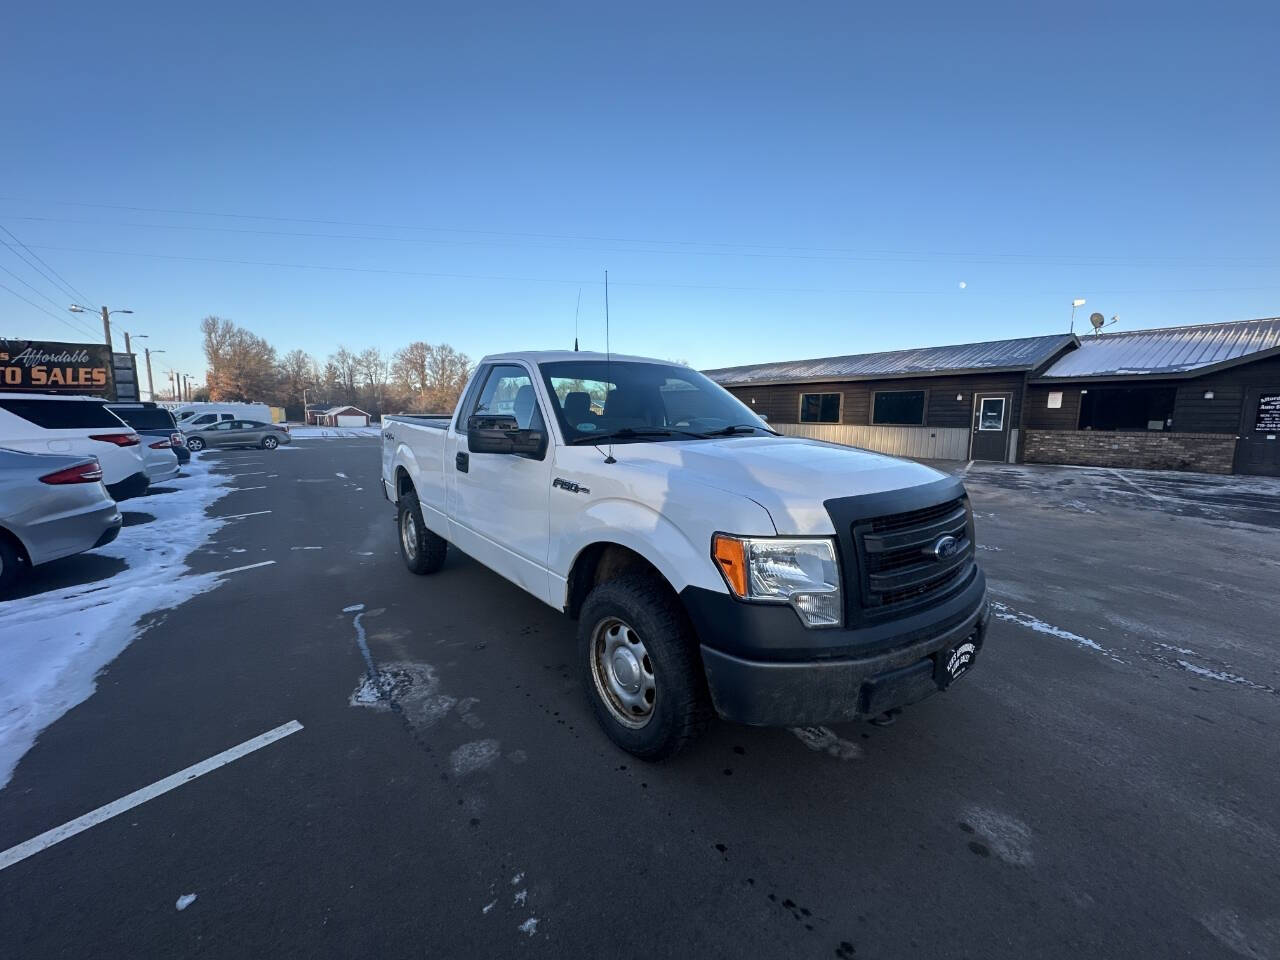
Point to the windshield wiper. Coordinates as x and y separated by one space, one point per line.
629 433
744 427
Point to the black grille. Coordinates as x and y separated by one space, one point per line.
896 559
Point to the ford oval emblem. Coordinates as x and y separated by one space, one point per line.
946 548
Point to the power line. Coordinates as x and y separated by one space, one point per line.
66 286
38 306
871 257
39 293
1015 257
339 268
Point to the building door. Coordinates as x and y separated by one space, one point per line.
990 426
1258 449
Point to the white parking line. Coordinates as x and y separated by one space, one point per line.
238 489
116 807
250 473
247 566
241 516
1146 493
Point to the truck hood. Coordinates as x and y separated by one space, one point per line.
790 477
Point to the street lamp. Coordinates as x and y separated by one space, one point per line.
128 347
106 319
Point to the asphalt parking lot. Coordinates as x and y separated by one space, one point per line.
1103 784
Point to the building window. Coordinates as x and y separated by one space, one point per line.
1127 408
819 408
899 407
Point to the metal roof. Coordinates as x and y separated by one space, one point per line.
1024 353
1170 352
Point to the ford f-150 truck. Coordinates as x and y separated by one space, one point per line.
713 566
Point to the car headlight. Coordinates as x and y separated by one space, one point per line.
803 573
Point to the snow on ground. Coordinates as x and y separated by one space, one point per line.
330 433
56 642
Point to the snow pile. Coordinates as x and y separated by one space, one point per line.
330 433
55 643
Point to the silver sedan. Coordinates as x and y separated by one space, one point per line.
238 433
51 506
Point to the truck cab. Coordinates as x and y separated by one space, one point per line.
714 567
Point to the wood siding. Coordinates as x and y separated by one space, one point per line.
1192 413
781 402
933 443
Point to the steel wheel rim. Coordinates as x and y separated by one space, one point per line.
623 672
409 536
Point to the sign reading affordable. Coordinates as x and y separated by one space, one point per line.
44 365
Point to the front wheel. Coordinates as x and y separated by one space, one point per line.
639 658
422 550
270 443
195 444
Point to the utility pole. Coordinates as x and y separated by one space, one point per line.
151 387
106 326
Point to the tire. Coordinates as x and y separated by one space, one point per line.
11 566
423 551
635 642
270 443
195 444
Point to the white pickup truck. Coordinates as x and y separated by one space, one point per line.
713 566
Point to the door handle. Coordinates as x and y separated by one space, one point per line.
462 461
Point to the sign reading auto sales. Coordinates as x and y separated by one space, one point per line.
44 366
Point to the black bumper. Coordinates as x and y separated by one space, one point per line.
109 534
826 676
132 486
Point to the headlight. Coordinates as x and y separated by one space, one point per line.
802 573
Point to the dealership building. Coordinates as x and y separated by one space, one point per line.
1204 397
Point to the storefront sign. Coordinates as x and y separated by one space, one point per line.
48 366
1268 413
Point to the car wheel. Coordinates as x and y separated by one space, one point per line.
11 566
270 443
640 664
422 550
195 444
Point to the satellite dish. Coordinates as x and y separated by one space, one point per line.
1097 320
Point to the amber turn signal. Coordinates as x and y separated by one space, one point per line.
731 558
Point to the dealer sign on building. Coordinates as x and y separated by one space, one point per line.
49 366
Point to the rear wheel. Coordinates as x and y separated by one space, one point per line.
11 566
422 550
195 444
270 443
641 669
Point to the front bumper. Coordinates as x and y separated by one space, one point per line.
892 672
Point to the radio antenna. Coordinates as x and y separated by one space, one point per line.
576 309
608 357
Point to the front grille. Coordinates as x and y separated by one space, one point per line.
896 562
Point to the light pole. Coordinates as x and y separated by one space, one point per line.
106 320
128 345
1078 302
151 388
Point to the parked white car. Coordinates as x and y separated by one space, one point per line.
714 567
47 423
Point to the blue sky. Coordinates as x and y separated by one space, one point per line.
762 181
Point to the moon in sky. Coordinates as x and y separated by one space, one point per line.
963 284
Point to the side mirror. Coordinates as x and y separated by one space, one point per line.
501 433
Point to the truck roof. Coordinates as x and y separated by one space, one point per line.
554 356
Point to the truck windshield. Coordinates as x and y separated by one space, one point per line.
594 397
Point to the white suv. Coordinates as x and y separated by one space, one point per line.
44 423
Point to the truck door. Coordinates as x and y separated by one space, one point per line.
500 500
